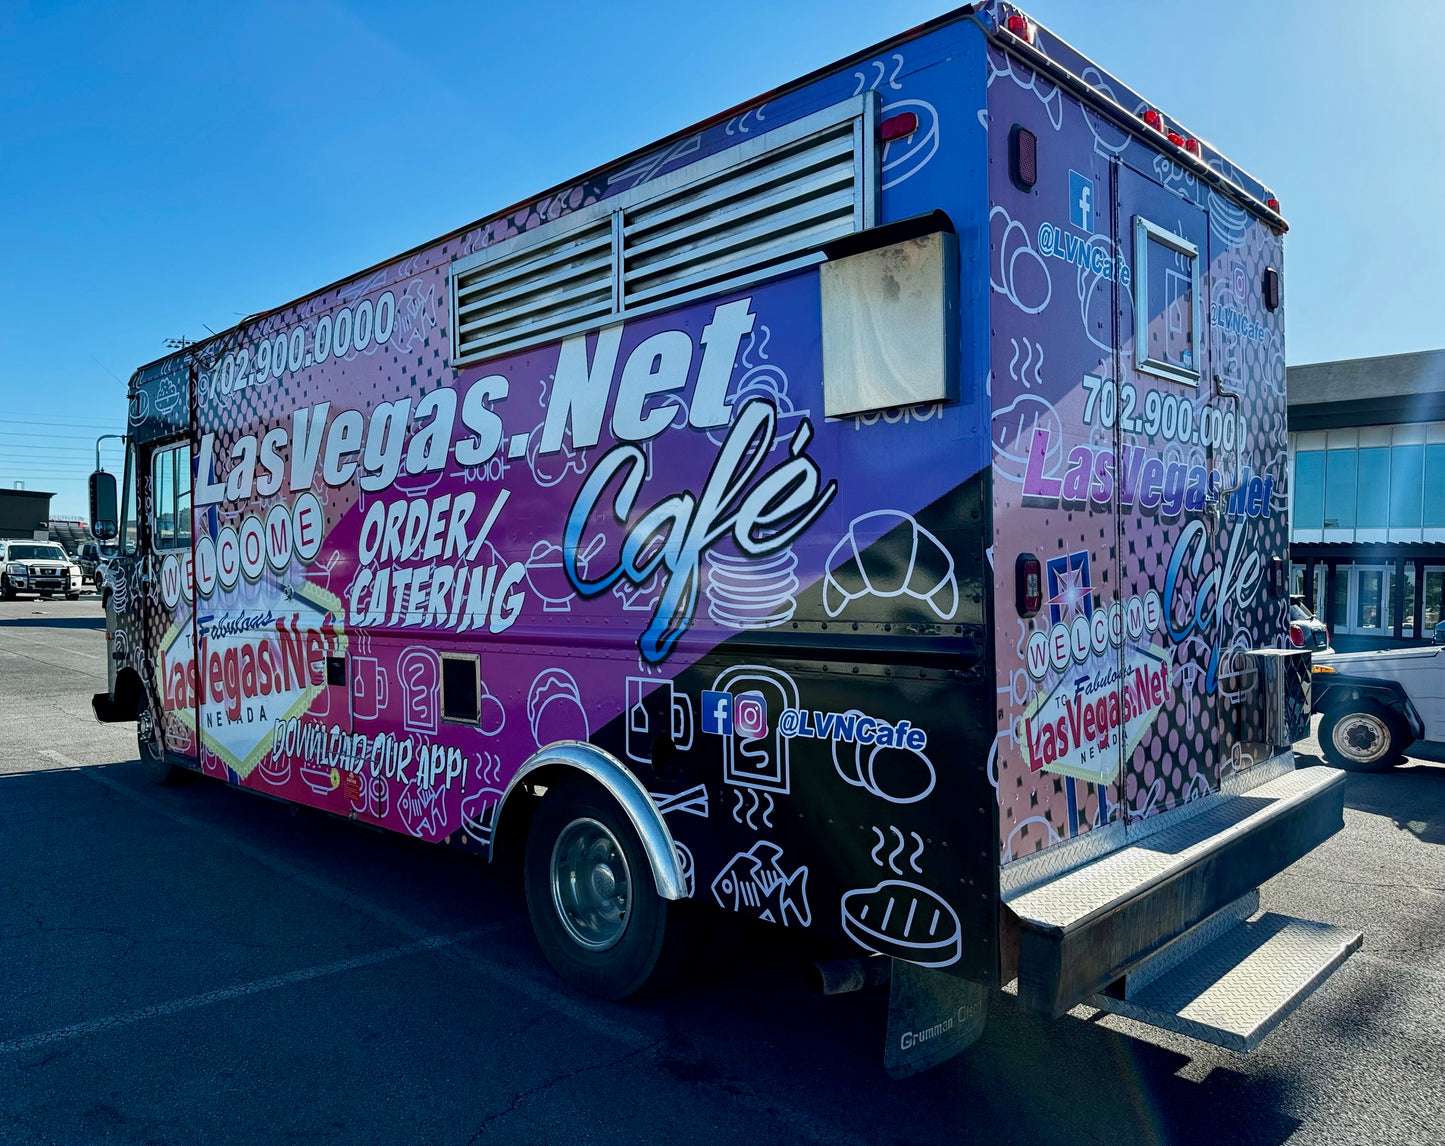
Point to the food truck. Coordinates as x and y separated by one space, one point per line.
863 511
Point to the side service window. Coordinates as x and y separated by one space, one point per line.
171 497
1166 303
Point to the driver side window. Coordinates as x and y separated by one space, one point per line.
128 530
171 497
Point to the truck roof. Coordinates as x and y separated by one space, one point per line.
1005 23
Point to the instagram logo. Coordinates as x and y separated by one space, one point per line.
750 716
736 709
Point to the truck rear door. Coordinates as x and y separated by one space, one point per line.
1172 477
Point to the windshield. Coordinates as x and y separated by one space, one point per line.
37 553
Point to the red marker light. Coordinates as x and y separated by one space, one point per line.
1153 119
1273 204
1176 139
1029 584
1192 146
898 126
1019 25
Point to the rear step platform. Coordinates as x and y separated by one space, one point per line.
1081 932
1237 989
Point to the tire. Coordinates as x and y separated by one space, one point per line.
609 934
7 593
153 763
72 596
1363 737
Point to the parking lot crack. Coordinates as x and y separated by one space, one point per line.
557 1080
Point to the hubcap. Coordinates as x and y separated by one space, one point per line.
1361 737
591 884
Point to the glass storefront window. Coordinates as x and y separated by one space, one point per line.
1407 476
1408 617
1369 611
1434 591
1340 599
1435 487
1372 503
1340 490
1309 489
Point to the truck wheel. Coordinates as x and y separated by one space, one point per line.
7 591
592 899
72 596
1363 738
152 760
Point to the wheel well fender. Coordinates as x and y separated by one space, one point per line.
575 757
1340 694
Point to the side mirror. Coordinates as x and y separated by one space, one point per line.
104 515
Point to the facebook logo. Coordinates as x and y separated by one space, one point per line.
746 714
1081 202
717 713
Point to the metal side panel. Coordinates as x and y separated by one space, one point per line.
1243 985
1084 930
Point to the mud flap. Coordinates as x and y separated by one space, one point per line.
931 1018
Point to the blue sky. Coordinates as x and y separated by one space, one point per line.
171 167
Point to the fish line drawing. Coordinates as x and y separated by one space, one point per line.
755 883
422 813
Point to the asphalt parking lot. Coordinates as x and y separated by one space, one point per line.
196 964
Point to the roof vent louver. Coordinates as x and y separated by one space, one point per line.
756 210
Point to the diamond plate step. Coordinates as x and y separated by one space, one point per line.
1240 987
1085 929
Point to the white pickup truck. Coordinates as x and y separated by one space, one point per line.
1376 704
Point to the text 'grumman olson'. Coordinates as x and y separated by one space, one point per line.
864 512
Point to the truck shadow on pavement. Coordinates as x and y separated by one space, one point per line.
42 621
123 895
1411 795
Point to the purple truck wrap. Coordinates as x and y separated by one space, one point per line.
398 551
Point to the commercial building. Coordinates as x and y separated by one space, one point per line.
1367 524
25 513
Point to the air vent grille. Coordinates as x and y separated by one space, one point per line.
754 211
